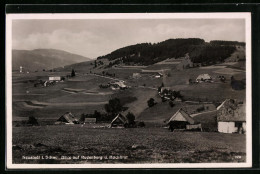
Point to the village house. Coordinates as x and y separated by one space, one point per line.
203 78
118 85
183 121
119 121
231 117
55 78
67 118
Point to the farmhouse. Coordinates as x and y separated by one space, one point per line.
158 75
204 78
119 121
119 84
55 78
67 118
182 120
231 117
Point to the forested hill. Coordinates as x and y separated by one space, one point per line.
199 51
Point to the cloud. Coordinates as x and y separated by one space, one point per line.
93 38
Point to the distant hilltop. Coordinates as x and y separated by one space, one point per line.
43 59
199 51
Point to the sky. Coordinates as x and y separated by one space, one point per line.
96 37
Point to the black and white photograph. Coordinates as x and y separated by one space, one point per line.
132 90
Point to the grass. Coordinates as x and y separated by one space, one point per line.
140 145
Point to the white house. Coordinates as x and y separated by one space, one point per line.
55 78
231 117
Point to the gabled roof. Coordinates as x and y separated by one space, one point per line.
67 117
227 103
232 111
119 117
203 76
181 115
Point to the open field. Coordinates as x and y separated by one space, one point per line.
141 145
152 144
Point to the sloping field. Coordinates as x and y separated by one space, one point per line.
159 114
140 145
162 66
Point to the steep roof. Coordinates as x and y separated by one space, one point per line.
119 117
181 115
227 103
230 111
67 117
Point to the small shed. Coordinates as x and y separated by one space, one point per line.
203 78
182 120
119 121
67 118
231 117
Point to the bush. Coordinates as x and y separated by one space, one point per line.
114 106
82 118
131 119
171 104
73 73
32 121
151 102
200 109
141 124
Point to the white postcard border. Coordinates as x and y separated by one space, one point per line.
239 15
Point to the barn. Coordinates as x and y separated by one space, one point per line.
231 117
67 118
182 120
119 121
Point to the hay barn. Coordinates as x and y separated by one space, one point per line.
67 118
119 121
182 120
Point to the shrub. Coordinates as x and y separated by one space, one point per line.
141 124
131 119
32 121
200 109
151 102
114 106
73 73
171 104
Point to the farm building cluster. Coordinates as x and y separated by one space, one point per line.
115 85
52 80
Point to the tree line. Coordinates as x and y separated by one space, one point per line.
147 53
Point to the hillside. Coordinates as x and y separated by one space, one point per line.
148 54
39 59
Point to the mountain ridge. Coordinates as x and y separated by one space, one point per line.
44 59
